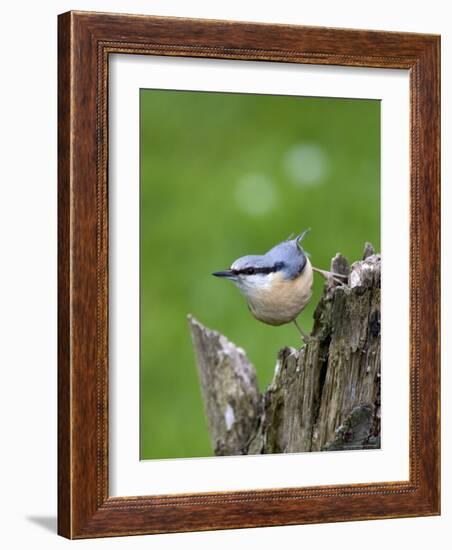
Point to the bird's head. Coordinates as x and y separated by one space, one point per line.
285 262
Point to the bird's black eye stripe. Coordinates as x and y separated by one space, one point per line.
256 270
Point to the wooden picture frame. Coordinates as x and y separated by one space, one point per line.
85 42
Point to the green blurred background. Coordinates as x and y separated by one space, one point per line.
222 176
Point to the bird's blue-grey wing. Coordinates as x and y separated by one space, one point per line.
291 255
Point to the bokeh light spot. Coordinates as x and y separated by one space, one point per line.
306 164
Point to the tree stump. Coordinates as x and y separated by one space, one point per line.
324 396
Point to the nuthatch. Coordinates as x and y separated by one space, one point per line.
277 285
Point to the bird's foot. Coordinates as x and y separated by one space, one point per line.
305 338
332 276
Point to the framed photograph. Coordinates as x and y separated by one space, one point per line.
248 275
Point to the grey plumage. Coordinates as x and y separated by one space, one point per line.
287 257
291 254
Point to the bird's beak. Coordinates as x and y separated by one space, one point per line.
227 274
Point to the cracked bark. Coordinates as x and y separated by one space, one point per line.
324 396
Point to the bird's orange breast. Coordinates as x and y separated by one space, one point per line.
282 300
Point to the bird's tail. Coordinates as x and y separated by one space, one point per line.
301 236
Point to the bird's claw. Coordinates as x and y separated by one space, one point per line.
306 339
338 278
340 282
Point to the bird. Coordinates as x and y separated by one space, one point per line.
278 284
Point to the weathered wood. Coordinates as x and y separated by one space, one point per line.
324 396
230 390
